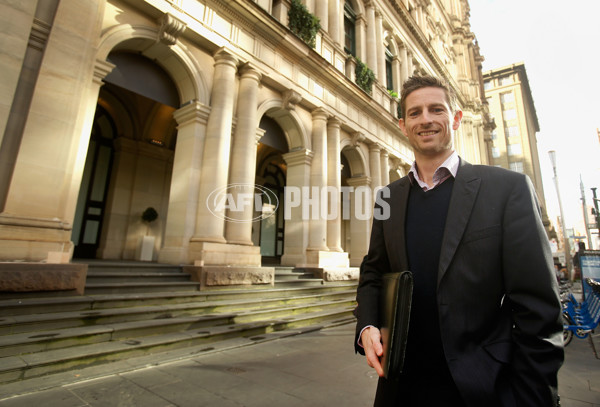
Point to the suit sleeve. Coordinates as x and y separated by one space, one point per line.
373 266
532 290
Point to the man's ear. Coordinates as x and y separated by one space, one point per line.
401 124
457 118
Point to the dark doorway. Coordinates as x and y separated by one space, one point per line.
271 175
89 214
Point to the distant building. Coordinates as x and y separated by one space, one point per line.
513 143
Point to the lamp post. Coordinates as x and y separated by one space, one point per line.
566 245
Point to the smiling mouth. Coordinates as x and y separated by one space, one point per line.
427 133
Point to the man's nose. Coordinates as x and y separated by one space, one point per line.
427 116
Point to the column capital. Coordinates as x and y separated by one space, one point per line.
374 147
259 134
248 70
320 113
101 70
298 157
363 181
193 110
334 122
223 56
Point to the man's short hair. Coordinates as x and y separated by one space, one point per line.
418 82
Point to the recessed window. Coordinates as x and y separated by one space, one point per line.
495 152
515 149
349 29
516 166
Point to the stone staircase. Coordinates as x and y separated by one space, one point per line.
136 314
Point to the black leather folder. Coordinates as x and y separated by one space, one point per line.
396 298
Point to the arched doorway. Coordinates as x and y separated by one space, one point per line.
134 122
271 175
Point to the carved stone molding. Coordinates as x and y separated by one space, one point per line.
357 138
40 31
290 99
170 29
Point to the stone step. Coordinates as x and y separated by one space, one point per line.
40 341
14 368
131 287
19 324
130 267
103 277
28 306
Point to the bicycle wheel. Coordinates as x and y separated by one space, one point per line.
567 334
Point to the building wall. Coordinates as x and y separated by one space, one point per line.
230 64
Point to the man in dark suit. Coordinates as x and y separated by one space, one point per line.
485 325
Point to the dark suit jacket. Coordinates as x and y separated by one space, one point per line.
497 296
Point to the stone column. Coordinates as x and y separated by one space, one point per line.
215 166
360 206
296 226
372 39
385 167
380 49
361 38
318 180
375 165
404 65
238 228
185 182
322 13
335 19
334 179
411 65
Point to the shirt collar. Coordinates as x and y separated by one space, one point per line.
447 169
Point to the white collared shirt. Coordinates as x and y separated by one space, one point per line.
448 169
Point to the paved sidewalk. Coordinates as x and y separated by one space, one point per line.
313 369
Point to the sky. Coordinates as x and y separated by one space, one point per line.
559 43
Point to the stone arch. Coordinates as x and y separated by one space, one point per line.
355 157
295 133
175 60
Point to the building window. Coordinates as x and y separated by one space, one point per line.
495 152
512 131
506 80
516 166
487 85
515 149
388 68
507 97
509 114
349 29
494 134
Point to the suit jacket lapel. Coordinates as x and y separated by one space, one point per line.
466 186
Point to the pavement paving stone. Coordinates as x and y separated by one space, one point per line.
59 397
317 369
116 391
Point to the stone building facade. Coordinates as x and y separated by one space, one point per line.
514 138
110 107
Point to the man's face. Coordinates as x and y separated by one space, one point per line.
429 123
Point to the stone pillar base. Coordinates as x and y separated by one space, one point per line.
325 259
334 273
221 254
219 276
68 279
